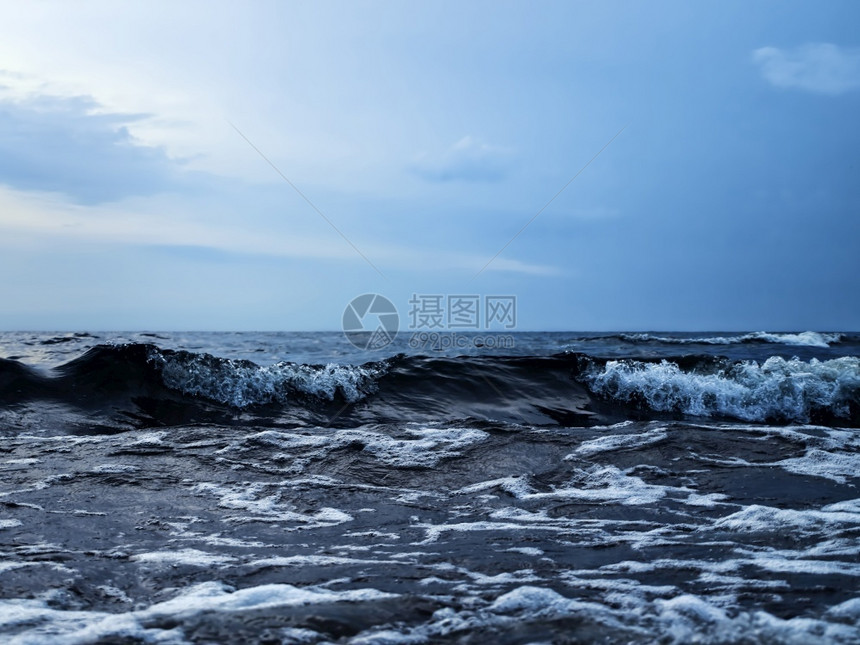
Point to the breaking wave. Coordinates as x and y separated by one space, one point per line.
243 383
778 389
144 385
799 339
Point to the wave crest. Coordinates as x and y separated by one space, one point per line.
778 389
801 339
241 383
144 385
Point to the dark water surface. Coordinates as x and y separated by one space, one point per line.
203 487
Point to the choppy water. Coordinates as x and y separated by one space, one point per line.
569 488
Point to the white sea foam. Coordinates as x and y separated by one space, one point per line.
390 636
778 388
436 531
597 483
299 635
425 446
709 500
144 439
262 503
672 618
115 469
765 519
209 596
43 625
515 485
537 600
526 550
850 610
822 463
834 456
846 506
778 564
9 566
191 557
114 592
242 383
605 484
313 561
416 446
805 338
614 442
629 609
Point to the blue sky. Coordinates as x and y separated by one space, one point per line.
429 134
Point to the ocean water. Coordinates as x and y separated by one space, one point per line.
290 488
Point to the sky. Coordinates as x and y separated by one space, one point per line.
255 166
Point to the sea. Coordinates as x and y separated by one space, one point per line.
523 488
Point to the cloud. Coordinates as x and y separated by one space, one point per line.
467 160
71 145
189 229
822 68
152 222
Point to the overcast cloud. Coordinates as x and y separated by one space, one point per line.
429 134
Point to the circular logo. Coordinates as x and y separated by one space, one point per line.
370 321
